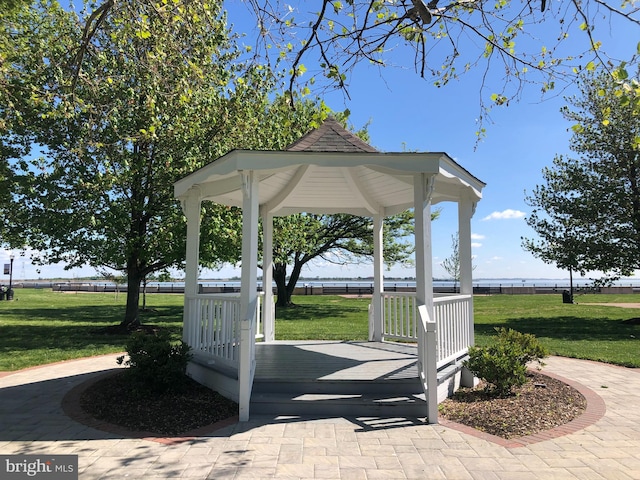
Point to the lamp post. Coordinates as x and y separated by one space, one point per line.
10 291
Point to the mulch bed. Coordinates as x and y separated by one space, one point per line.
541 404
114 400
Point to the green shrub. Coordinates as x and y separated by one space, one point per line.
156 364
503 365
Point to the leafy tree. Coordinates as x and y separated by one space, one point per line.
556 221
143 111
159 93
451 264
626 91
340 239
522 42
9 6
537 42
20 70
587 214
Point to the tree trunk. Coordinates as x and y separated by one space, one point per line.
144 294
571 284
293 278
285 289
280 277
131 316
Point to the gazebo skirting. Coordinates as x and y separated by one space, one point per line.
421 365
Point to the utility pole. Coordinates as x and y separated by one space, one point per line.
10 291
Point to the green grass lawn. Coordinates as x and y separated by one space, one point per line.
324 317
572 330
42 326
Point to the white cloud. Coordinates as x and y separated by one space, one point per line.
477 236
476 244
507 214
493 259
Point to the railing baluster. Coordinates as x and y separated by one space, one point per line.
211 326
452 314
213 329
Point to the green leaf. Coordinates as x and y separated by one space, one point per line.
620 73
143 34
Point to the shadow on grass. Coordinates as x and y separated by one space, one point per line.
569 328
305 312
73 328
99 314
31 337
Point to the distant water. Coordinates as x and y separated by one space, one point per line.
488 282
484 282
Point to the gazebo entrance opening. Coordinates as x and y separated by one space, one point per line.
327 171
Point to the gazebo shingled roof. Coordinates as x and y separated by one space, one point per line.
330 137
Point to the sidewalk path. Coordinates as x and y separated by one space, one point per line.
32 422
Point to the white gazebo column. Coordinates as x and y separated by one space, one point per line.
465 212
375 329
249 269
466 208
191 208
248 290
268 325
423 185
422 190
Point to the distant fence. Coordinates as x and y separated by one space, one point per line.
108 288
331 288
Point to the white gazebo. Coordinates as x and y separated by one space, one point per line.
329 170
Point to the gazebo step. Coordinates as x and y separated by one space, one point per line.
338 387
325 397
401 397
339 405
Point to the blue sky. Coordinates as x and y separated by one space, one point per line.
408 113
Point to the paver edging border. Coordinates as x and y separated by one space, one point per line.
595 410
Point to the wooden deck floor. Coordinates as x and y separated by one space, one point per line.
335 361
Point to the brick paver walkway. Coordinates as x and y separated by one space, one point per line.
32 421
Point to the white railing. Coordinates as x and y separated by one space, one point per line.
427 370
452 315
247 361
453 327
400 316
212 327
